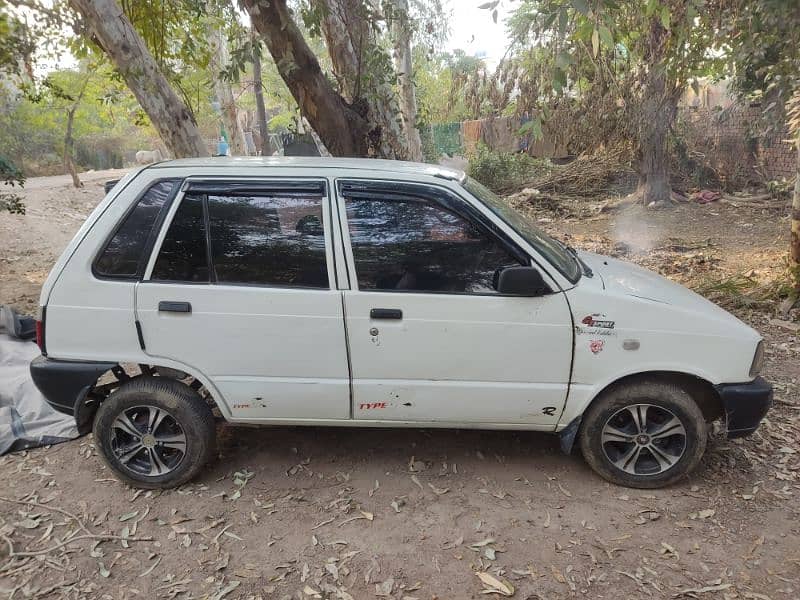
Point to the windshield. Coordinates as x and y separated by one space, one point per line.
555 252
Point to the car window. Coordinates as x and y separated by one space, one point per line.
125 254
184 254
413 244
555 252
268 239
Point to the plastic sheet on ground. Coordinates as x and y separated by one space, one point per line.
26 420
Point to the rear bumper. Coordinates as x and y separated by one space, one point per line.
745 404
66 383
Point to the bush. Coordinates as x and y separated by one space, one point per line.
11 176
505 172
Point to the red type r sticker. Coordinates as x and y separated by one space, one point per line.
371 405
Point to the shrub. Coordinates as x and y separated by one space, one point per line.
11 176
505 172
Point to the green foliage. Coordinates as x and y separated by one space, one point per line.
763 51
440 80
585 66
11 176
504 171
16 45
107 124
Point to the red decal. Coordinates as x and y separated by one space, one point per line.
588 320
596 346
371 405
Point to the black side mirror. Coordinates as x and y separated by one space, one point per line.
521 281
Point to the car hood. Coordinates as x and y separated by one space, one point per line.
627 279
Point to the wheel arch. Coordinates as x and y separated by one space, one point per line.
98 392
702 391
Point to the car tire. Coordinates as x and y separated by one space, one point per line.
154 432
644 434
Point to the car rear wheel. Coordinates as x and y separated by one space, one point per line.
646 434
155 432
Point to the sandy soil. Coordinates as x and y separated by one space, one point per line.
341 513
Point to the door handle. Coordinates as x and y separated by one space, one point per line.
386 313
179 307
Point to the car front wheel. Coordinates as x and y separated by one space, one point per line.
645 434
154 432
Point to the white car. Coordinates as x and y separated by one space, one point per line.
373 293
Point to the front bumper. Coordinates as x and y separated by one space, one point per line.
745 404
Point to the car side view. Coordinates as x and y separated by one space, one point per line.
362 292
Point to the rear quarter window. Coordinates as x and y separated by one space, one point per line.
125 254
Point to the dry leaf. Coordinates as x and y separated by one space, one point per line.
495 585
384 588
438 491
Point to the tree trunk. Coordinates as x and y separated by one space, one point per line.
344 130
657 114
659 105
69 146
113 32
69 140
258 89
794 242
401 39
352 47
224 92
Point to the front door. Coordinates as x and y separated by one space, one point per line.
239 289
430 338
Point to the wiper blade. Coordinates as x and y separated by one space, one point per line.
587 270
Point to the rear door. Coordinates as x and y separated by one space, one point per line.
430 338
239 287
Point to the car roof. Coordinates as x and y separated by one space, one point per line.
316 162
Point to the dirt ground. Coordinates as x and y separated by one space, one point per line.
348 513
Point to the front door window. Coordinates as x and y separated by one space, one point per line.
416 245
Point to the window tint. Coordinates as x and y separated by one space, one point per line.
270 239
420 246
183 255
124 255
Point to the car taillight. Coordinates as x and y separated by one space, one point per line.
40 331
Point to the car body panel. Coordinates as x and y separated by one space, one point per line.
459 360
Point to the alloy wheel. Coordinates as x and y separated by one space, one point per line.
148 440
644 439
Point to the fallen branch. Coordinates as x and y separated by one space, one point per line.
50 508
87 535
92 536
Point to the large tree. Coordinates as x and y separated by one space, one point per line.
762 41
401 28
16 48
108 26
346 129
358 113
642 55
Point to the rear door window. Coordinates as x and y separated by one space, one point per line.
125 254
268 239
246 237
184 252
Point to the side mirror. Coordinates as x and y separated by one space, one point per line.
521 281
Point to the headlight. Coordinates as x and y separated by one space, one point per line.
758 360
